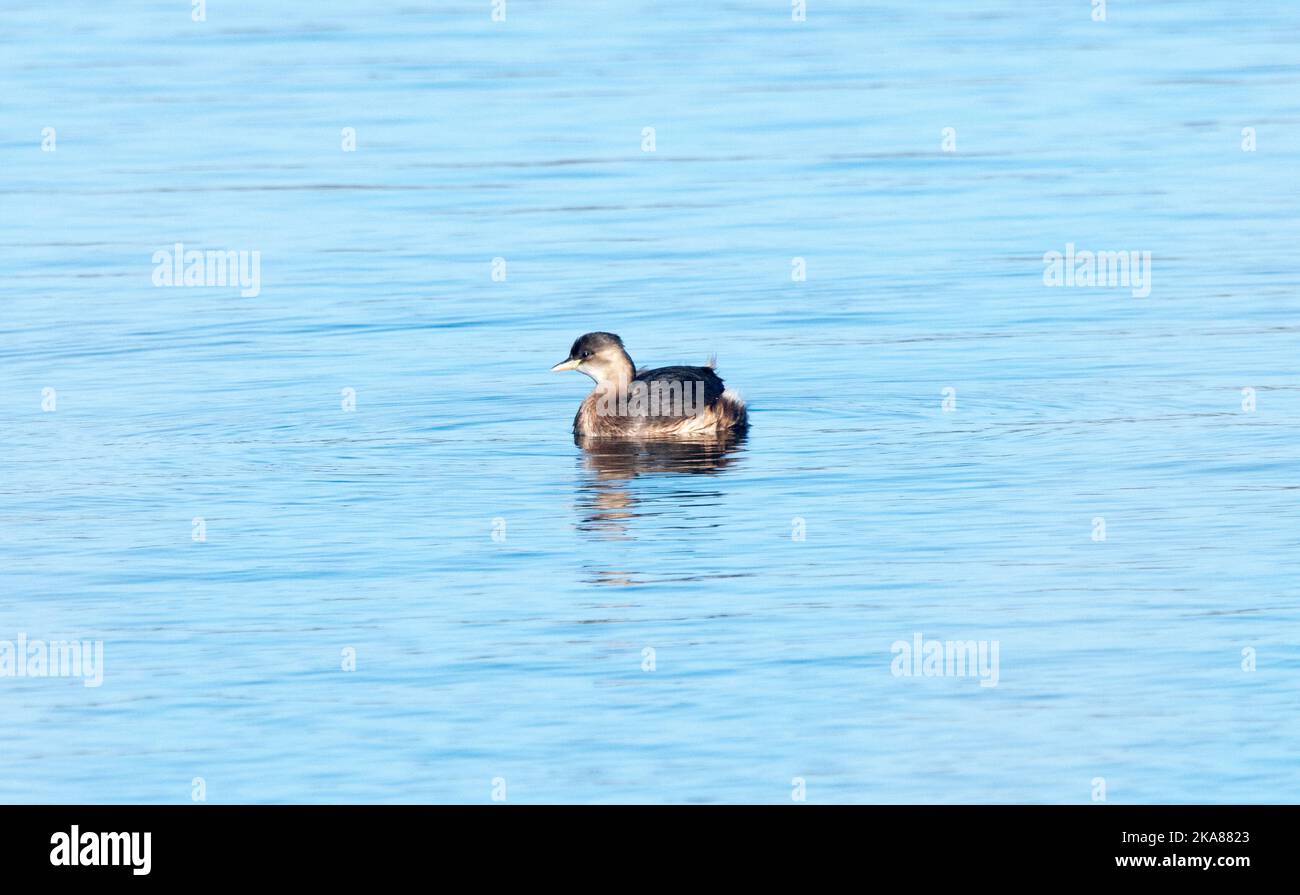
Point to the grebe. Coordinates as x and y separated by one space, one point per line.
669 402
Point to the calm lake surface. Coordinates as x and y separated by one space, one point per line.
504 592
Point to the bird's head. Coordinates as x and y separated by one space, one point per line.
599 355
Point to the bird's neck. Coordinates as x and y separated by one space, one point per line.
617 372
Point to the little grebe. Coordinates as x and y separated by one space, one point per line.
668 402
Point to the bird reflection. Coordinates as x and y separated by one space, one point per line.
609 495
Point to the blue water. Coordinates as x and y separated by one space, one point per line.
498 585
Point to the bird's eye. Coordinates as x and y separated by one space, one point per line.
586 354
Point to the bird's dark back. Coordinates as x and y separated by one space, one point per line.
687 376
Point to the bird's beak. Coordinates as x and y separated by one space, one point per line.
570 364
